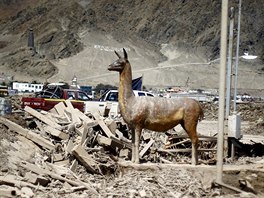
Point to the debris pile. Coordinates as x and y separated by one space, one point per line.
69 145
252 112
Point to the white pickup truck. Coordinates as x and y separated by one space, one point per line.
107 106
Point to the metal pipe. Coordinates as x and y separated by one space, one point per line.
229 62
229 187
229 78
237 54
222 84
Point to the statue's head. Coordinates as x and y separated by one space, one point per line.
120 63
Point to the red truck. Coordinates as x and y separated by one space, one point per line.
49 97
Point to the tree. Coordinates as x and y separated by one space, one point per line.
101 88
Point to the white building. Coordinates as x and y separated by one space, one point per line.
27 87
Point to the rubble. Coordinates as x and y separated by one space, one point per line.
67 139
252 112
70 153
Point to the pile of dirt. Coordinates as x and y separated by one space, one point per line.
252 112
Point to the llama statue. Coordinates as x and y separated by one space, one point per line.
154 113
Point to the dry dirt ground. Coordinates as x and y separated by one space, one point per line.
147 179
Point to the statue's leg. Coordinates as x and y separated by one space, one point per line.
194 154
137 141
190 128
133 146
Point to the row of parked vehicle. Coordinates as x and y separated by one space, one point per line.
52 95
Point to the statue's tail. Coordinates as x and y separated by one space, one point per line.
201 115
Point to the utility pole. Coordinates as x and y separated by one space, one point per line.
222 86
228 79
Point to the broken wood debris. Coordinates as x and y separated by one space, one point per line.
77 134
28 134
87 161
71 139
40 171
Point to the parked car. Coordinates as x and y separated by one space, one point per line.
48 98
108 103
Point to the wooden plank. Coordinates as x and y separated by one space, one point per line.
123 143
86 160
82 116
59 170
63 163
53 111
60 107
92 124
59 118
11 180
27 134
185 150
69 104
85 142
113 142
55 132
40 127
146 147
85 132
73 166
36 169
105 128
102 140
164 160
72 114
41 117
69 146
103 125
9 192
72 111
79 130
67 116
57 157
111 124
169 145
36 179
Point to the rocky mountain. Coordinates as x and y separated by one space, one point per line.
169 42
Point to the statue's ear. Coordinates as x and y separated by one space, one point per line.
117 55
125 54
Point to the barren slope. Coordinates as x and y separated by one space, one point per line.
170 42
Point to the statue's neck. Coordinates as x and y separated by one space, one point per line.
125 84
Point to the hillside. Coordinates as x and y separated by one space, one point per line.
170 43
